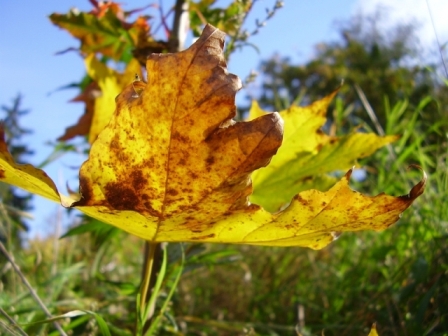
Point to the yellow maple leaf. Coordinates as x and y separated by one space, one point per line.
110 83
307 154
171 165
27 177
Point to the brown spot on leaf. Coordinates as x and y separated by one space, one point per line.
85 189
172 192
138 180
301 200
210 160
307 179
121 197
2 174
149 163
179 137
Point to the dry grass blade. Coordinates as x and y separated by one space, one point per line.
30 288
13 323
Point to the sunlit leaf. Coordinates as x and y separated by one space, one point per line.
307 155
111 84
171 165
82 127
103 30
100 103
27 177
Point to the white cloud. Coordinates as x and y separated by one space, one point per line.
406 11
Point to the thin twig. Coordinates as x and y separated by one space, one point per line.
12 322
369 110
162 22
378 126
9 240
4 326
374 119
238 34
30 288
163 19
245 35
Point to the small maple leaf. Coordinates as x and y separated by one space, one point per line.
171 165
105 30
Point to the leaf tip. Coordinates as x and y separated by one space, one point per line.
336 234
349 173
419 188
373 331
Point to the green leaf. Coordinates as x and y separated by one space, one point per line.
93 225
307 155
99 32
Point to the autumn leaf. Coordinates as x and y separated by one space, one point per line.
100 106
103 30
27 177
82 127
307 154
171 165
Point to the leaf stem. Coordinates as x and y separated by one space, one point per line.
164 307
148 266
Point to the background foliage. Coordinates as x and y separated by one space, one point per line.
397 278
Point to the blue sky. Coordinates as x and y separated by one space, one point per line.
28 64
